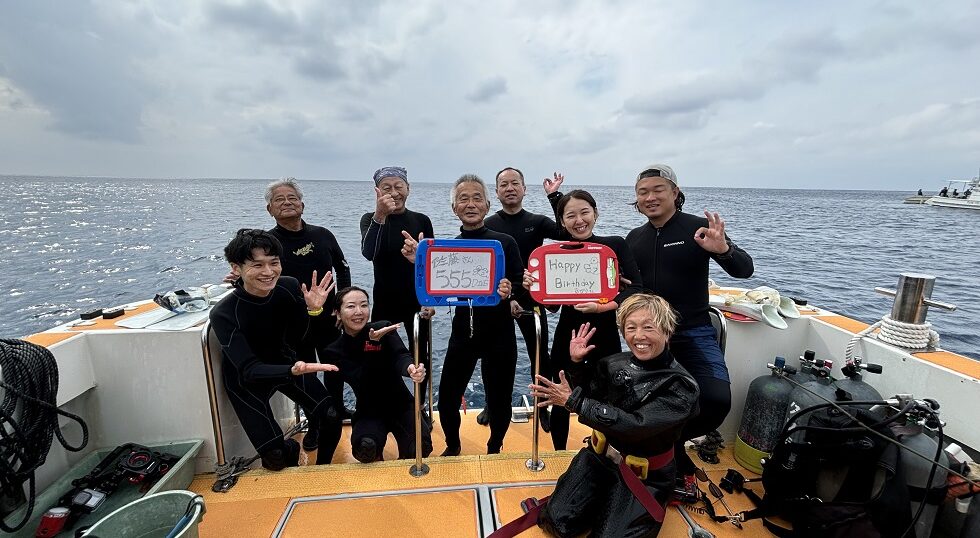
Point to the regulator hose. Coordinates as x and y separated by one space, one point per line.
28 418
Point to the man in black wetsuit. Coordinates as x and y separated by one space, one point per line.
260 325
673 250
394 276
529 230
308 248
488 334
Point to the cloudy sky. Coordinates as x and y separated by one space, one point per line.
868 95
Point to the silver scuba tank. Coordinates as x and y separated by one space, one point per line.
762 417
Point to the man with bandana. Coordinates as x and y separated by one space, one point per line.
381 243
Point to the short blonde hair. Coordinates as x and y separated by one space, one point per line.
663 315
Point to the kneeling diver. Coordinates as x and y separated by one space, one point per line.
260 325
372 359
637 404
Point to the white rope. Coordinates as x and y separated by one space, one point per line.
897 333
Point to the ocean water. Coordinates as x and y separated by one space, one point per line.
68 244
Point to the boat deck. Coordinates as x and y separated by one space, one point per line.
469 495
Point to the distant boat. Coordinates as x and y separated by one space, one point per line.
960 193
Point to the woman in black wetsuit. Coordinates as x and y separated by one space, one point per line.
576 212
637 404
372 359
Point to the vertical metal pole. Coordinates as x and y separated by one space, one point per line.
431 381
535 463
219 442
419 469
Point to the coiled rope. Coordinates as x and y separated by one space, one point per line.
898 333
28 417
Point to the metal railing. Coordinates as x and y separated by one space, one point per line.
219 442
420 469
535 463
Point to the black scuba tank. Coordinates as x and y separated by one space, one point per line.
815 392
916 471
853 383
762 417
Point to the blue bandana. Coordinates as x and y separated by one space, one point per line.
390 171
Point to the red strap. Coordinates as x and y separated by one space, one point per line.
521 524
642 494
654 508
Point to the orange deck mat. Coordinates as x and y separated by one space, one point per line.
449 514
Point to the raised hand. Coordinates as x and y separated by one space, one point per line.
551 393
529 280
411 245
300 368
317 293
417 373
579 346
504 289
552 184
712 238
376 335
385 204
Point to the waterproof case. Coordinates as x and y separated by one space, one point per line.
573 273
451 272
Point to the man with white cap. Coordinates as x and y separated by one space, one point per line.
673 250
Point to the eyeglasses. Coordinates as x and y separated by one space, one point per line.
279 200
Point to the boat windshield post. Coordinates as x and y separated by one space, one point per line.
419 469
535 464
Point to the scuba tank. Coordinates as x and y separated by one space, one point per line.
913 435
805 373
853 384
762 418
811 391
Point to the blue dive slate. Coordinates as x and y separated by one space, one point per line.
455 271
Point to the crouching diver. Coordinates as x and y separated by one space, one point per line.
637 404
372 360
259 325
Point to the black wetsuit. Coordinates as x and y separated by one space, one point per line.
529 230
314 248
394 276
641 407
606 339
675 267
384 404
258 337
494 341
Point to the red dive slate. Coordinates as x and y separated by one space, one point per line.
573 273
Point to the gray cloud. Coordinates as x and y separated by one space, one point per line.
79 66
295 136
488 90
690 104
